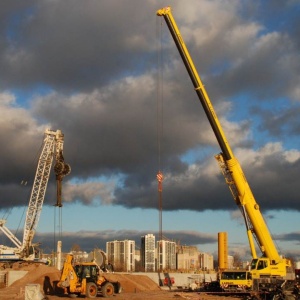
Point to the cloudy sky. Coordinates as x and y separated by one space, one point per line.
107 73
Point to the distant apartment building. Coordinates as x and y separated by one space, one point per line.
206 261
166 255
188 258
230 259
148 252
122 255
137 257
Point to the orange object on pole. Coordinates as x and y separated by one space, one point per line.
160 178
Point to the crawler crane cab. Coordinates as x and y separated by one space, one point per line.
270 264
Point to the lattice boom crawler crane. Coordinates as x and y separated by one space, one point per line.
52 147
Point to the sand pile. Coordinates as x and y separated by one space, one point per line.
41 274
48 277
133 283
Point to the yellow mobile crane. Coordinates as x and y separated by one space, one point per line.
271 263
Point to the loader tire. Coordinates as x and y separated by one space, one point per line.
91 290
107 290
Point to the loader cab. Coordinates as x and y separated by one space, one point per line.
87 271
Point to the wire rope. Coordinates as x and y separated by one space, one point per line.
57 230
54 233
160 93
159 113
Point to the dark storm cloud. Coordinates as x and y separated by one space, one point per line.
113 124
98 60
90 240
293 236
259 72
89 68
278 122
198 192
191 192
77 45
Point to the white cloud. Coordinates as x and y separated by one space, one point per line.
89 192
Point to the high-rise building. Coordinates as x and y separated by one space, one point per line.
121 255
166 255
230 259
148 252
206 261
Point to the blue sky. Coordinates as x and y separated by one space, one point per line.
91 70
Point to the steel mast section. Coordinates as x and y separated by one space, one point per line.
52 146
273 264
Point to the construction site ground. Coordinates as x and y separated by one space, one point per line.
135 287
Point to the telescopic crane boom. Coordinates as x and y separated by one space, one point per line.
271 263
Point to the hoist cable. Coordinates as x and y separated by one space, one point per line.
160 118
160 95
60 223
57 231
54 233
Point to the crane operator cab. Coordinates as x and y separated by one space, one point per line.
258 264
264 267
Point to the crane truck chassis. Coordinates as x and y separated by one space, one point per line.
268 271
86 279
237 280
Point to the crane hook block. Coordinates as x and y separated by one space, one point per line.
160 178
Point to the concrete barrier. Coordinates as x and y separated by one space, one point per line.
13 276
178 280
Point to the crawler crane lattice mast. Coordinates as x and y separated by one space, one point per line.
52 147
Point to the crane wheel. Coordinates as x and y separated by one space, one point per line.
91 290
108 290
118 287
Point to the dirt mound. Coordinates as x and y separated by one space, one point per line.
47 277
37 274
133 283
